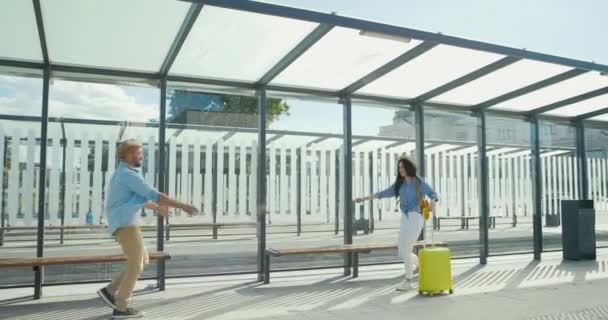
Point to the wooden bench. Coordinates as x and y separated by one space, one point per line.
464 221
64 227
36 263
63 260
355 249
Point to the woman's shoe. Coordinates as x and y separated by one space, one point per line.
406 285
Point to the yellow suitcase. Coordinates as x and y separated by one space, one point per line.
435 271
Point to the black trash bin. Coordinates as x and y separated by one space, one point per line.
578 229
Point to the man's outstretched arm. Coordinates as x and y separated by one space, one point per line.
166 201
136 183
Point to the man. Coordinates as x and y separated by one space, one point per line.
127 194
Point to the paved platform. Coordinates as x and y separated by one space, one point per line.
512 287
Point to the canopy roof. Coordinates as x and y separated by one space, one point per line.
235 44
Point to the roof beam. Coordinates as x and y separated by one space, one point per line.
274 138
228 136
591 114
347 22
105 72
390 66
359 142
306 43
41 32
398 143
315 141
530 88
21 64
569 101
180 37
497 65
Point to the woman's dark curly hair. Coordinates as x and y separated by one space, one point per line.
410 171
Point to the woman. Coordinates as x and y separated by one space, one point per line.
408 189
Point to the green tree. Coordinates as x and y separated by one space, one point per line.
181 100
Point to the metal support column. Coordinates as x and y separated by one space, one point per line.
537 183
484 207
420 163
39 271
64 143
160 225
261 182
347 193
299 175
581 158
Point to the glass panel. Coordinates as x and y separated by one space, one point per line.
81 158
600 118
304 179
94 101
505 80
559 177
597 166
20 96
135 34
19 156
437 67
582 107
510 185
237 45
560 91
18 31
452 167
340 58
381 135
211 163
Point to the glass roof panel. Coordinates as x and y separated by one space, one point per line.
502 81
342 57
433 69
582 107
135 34
18 31
603 117
560 91
237 45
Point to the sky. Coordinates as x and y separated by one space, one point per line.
574 29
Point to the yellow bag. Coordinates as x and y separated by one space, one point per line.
425 207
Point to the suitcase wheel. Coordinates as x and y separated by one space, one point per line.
451 291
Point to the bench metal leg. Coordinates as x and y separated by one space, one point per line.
266 269
161 274
215 232
355 264
348 263
38 279
463 223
